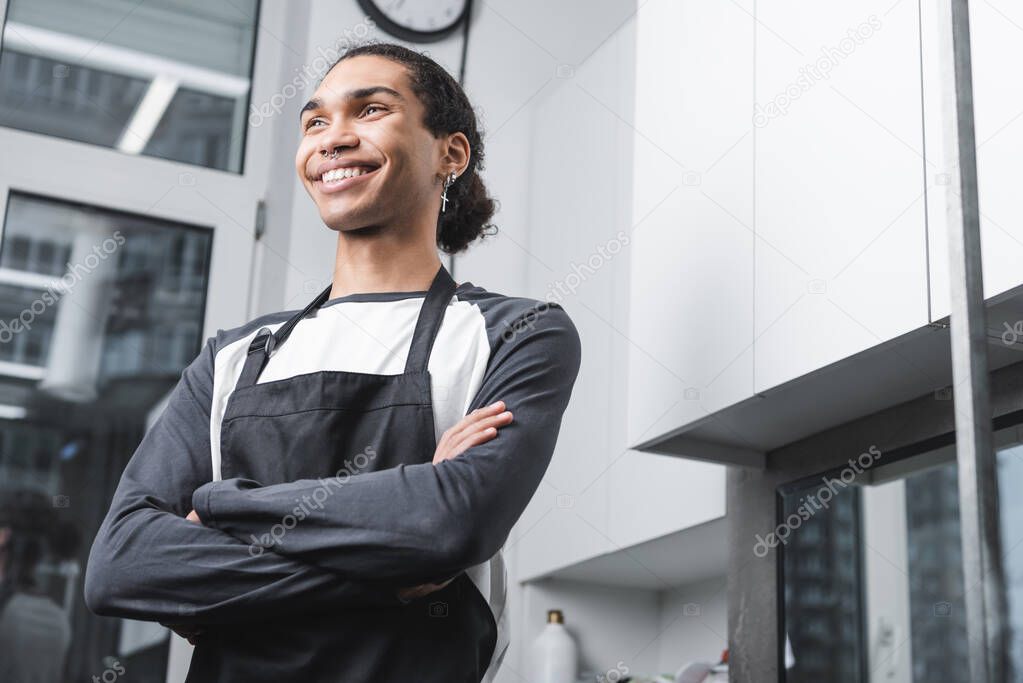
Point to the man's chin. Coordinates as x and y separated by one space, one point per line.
347 224
337 217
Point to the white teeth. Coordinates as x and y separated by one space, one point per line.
342 173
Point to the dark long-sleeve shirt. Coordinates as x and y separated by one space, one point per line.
378 531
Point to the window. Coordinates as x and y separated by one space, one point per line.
872 574
168 80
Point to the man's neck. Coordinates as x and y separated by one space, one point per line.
361 266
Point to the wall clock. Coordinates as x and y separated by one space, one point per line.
417 21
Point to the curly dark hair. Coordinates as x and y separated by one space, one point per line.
447 111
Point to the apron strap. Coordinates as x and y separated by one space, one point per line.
430 317
264 343
427 325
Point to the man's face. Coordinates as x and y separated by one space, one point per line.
355 112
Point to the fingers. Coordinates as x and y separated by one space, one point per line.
417 591
422 589
475 438
482 413
486 425
477 427
476 420
453 448
413 592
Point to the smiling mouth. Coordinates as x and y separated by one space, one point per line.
340 178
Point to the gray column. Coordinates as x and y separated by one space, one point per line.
978 475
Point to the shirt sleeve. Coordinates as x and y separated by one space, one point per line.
148 562
426 522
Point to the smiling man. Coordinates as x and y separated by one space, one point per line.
327 492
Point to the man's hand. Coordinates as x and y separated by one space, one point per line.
419 591
477 427
193 516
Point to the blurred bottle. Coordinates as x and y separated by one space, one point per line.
555 655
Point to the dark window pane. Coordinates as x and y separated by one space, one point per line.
822 582
46 96
940 645
171 81
96 349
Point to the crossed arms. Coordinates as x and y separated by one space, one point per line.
381 530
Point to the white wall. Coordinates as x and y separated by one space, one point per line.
694 624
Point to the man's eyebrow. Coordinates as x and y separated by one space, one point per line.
315 103
357 94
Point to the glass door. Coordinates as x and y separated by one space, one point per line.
129 182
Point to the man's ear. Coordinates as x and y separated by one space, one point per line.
457 151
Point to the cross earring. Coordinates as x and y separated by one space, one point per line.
447 183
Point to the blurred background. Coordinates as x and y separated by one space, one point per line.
743 207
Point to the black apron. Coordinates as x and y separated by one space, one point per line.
316 425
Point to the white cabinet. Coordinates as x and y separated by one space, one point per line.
998 113
690 330
841 253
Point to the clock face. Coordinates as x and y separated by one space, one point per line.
416 20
